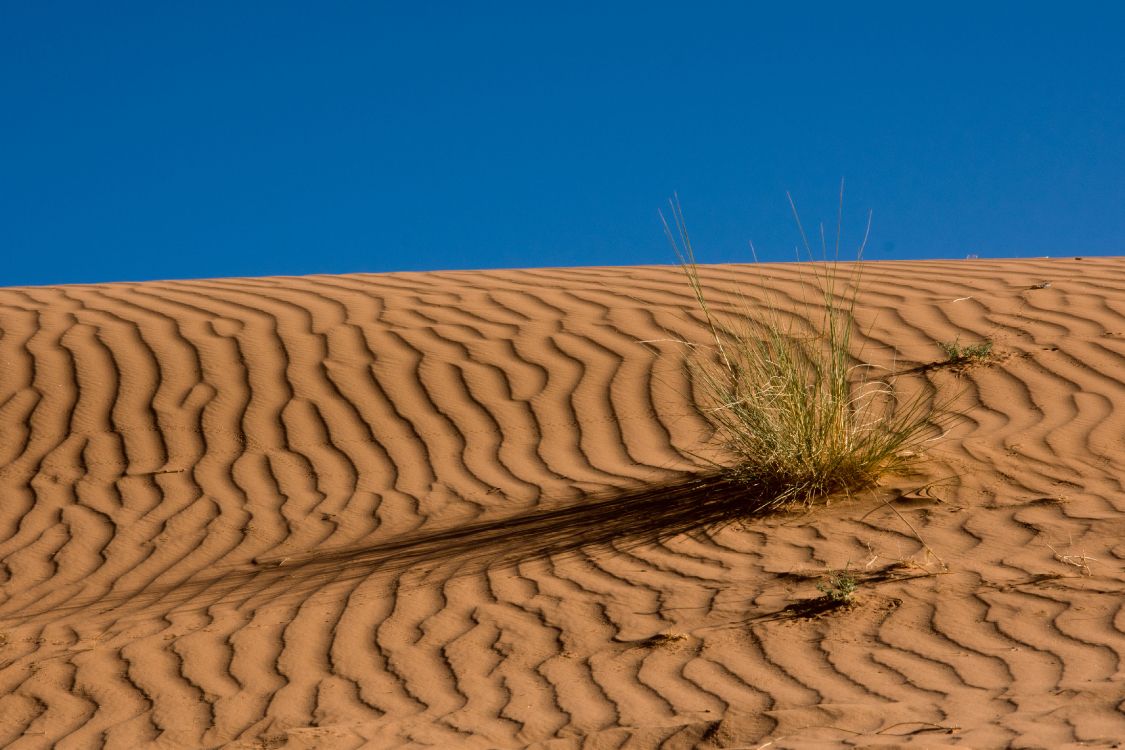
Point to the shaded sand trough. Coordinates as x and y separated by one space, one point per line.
457 510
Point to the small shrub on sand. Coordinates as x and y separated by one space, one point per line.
956 353
839 587
799 413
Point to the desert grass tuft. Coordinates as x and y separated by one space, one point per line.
799 413
839 587
958 353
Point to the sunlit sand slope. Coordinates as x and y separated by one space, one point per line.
456 510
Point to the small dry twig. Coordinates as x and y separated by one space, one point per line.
1082 561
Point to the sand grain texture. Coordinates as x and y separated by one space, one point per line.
456 510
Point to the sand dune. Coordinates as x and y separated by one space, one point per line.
472 510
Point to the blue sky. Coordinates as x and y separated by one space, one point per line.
146 141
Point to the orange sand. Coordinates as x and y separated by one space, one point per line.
447 510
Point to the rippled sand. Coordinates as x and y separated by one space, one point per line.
461 510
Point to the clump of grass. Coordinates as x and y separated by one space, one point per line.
839 587
800 414
956 353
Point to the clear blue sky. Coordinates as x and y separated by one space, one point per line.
145 140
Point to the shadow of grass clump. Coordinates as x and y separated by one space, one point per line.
620 518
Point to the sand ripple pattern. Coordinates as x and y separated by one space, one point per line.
463 510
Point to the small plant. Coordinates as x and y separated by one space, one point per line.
840 587
799 413
957 354
663 639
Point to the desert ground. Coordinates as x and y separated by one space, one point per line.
458 510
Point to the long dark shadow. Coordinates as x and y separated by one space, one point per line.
625 518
